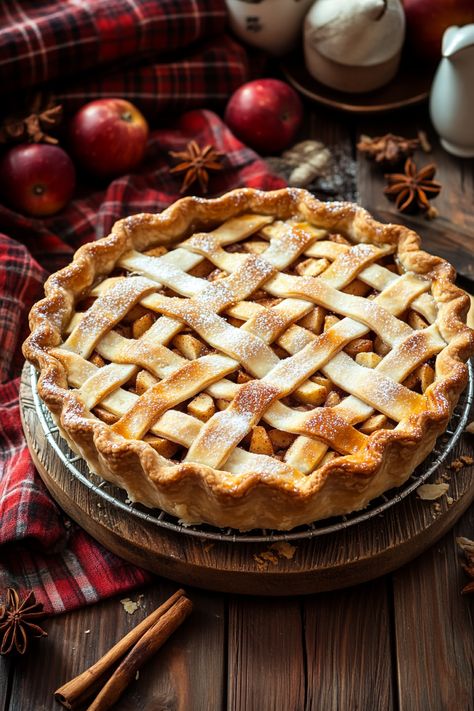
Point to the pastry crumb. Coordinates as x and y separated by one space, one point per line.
284 549
450 500
130 606
276 552
431 492
463 461
264 559
271 557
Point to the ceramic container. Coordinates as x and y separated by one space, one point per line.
452 93
355 45
272 25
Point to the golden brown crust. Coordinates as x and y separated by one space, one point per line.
197 492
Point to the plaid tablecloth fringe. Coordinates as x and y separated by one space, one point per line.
39 548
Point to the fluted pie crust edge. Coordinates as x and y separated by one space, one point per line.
198 493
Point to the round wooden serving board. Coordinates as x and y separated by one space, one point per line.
326 562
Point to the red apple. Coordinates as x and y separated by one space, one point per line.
265 114
428 19
37 179
108 137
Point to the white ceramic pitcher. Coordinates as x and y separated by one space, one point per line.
452 93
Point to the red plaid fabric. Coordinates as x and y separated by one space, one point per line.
207 75
43 40
39 548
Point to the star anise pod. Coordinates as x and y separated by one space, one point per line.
388 150
32 125
196 162
18 622
413 189
468 547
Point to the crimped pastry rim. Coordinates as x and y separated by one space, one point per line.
95 260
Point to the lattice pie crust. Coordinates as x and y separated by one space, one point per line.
258 360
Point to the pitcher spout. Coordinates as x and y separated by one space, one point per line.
457 39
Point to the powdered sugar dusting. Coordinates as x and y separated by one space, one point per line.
268 323
387 390
222 432
254 398
217 296
203 242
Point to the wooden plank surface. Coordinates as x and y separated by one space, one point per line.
434 626
6 673
348 648
266 665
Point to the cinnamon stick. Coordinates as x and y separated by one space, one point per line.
82 687
140 653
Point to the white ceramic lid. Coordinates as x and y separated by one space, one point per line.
356 32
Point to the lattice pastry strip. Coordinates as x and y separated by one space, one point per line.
106 312
229 427
124 293
397 403
397 365
189 380
375 276
176 426
214 296
204 372
254 399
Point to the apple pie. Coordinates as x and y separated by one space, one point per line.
259 360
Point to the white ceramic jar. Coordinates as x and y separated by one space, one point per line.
354 45
272 25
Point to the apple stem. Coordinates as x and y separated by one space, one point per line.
127 116
38 189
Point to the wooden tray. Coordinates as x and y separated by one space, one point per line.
343 558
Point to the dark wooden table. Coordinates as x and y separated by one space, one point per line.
403 642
